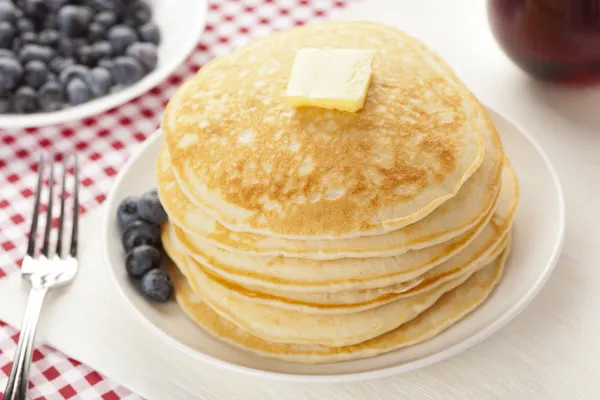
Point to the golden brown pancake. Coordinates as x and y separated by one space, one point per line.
257 164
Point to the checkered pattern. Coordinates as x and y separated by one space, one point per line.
104 143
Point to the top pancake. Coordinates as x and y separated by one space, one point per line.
258 165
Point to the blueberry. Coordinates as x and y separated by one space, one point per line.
17 45
34 9
102 5
149 33
107 63
138 14
140 232
68 46
7 53
25 25
96 32
35 73
145 53
50 97
56 5
72 72
121 37
157 285
59 63
7 34
102 49
85 56
51 77
127 71
151 210
8 12
140 260
99 81
24 100
73 20
106 18
11 72
50 21
48 37
5 104
77 92
29 38
127 211
35 52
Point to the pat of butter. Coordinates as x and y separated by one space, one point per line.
330 78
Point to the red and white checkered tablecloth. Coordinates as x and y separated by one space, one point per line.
104 143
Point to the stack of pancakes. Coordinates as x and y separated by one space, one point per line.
316 235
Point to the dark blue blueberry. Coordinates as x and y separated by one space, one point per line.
51 96
35 52
8 12
74 20
5 104
25 25
151 210
56 5
121 36
99 81
59 63
154 193
68 47
24 100
48 37
96 32
29 38
107 63
73 71
51 77
157 285
149 33
128 211
17 45
140 232
36 72
102 49
106 18
85 56
11 72
7 53
127 71
50 21
102 5
34 9
140 260
7 34
138 14
145 53
77 92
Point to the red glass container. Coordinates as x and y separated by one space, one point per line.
552 40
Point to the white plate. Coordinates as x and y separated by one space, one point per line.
538 239
180 28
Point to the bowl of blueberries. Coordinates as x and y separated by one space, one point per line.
62 60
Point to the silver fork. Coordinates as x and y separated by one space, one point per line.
45 271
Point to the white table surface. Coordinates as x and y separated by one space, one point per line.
548 352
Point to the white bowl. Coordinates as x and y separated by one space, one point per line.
180 25
538 237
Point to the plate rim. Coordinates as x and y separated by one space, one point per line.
113 100
509 315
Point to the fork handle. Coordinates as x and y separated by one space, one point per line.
16 389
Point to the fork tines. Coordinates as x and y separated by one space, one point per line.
46 245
